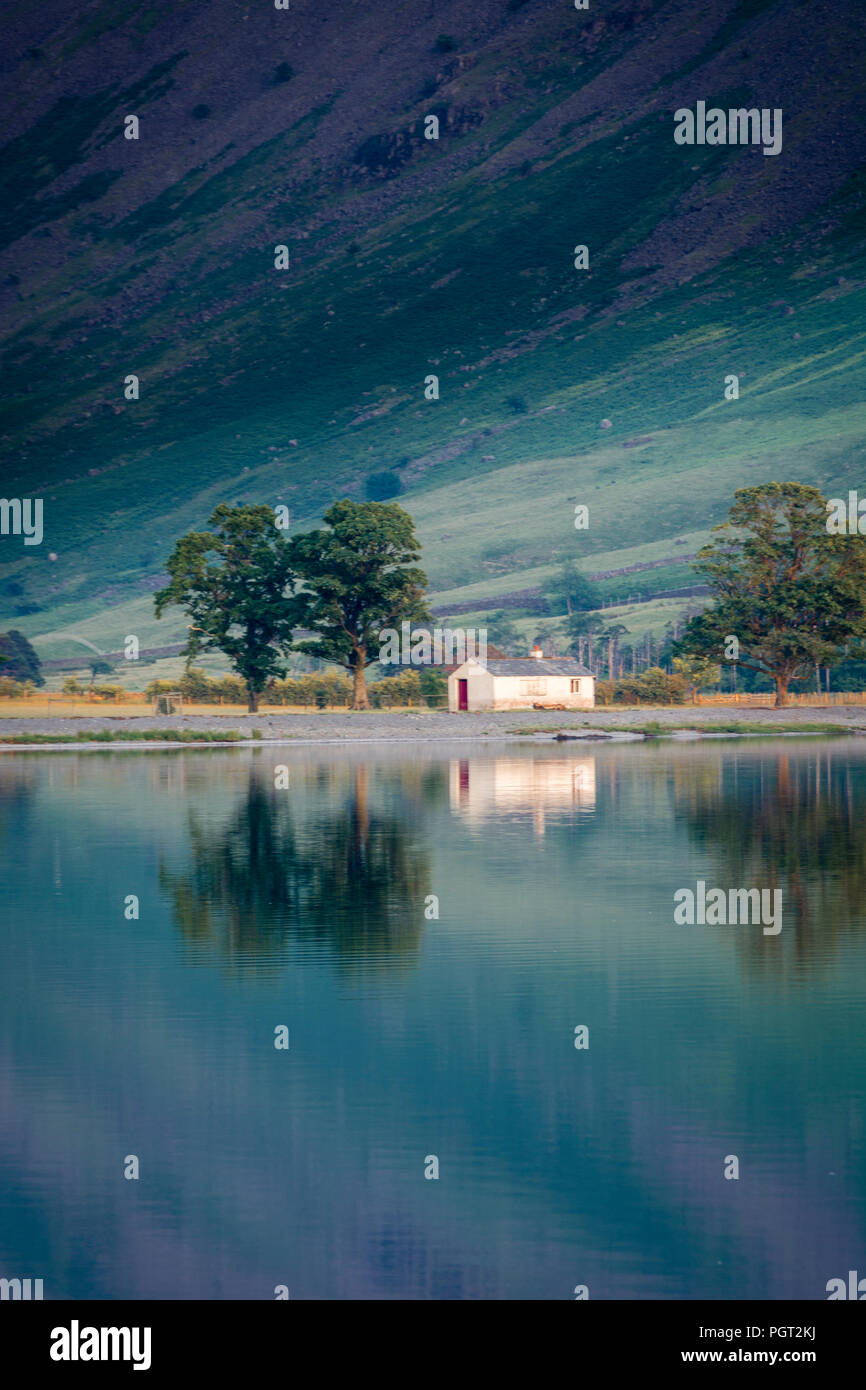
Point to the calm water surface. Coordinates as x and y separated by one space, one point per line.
555 868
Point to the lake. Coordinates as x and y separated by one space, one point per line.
312 907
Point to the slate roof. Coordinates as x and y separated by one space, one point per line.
532 666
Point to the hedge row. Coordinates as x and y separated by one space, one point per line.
324 689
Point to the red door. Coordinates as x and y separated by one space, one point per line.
462 694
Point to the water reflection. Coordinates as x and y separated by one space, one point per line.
305 906
520 786
17 786
794 822
350 875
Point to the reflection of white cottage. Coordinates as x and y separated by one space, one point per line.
521 683
484 788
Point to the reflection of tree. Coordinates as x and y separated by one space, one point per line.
242 888
17 786
350 877
367 881
795 823
424 785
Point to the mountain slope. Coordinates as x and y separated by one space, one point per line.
304 128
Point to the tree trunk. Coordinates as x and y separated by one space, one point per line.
252 700
359 693
781 691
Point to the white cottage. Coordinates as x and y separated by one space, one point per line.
521 683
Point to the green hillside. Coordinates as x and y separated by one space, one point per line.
411 257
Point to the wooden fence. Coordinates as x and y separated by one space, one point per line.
767 699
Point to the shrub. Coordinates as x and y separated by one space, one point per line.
404 689
195 685
445 43
654 686
108 692
322 689
380 486
16 690
154 688
229 690
434 687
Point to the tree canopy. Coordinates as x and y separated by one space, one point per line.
572 590
18 660
358 578
792 595
236 584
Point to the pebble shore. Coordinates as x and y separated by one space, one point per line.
439 726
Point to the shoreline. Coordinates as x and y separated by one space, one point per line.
610 724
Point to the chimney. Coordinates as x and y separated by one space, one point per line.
537 653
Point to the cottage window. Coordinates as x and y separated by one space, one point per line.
575 687
533 687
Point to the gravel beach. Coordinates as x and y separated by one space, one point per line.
438 725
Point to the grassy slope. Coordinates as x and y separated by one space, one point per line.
237 361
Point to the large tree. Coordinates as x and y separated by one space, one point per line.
236 584
791 594
18 660
572 590
358 579
99 667
611 633
582 630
